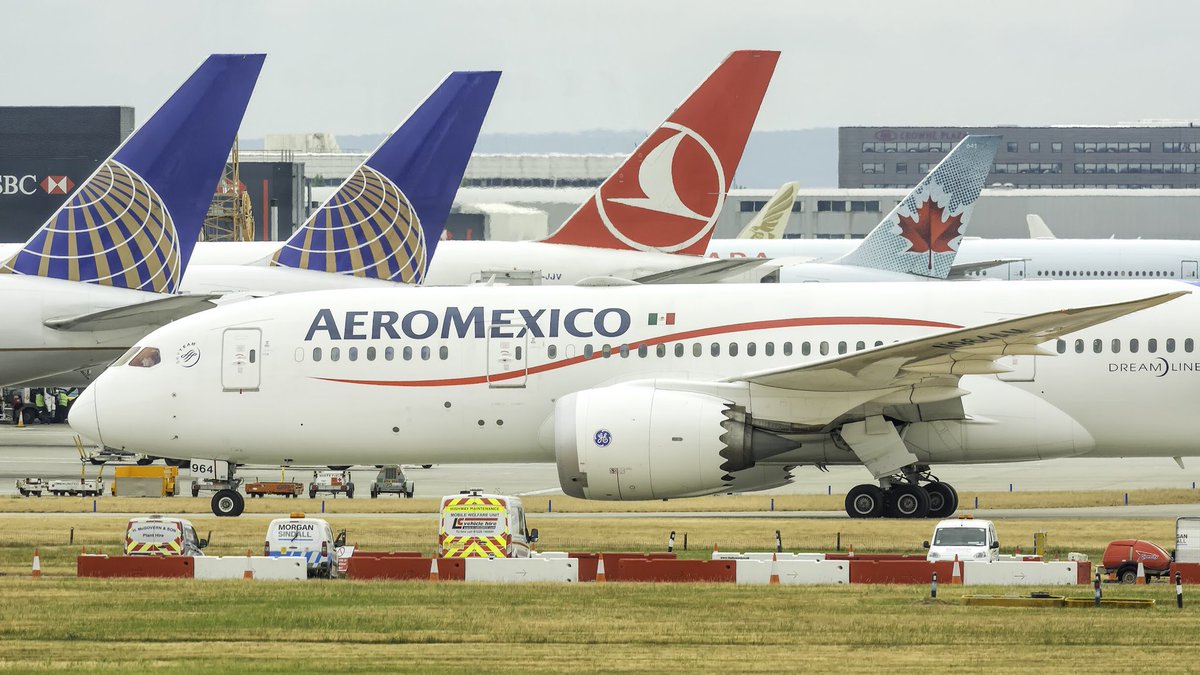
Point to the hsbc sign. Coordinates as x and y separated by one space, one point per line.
29 184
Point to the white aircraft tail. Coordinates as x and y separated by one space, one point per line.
1038 229
921 235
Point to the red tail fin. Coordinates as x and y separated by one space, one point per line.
668 194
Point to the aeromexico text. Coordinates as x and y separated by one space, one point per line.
420 324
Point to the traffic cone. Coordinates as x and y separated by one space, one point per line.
20 421
851 550
37 564
955 575
1141 574
249 573
715 548
600 570
774 581
433 570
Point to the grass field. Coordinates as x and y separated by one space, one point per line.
60 622
562 504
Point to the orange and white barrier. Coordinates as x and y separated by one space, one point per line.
258 568
793 571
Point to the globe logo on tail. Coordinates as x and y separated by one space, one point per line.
367 229
115 231
677 194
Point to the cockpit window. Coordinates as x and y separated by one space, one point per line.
147 358
124 358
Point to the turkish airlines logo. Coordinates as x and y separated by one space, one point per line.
676 198
57 185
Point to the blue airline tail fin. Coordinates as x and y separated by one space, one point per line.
921 235
134 222
385 220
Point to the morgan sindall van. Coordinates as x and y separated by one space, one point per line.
308 538
477 525
156 535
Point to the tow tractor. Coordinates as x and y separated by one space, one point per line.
391 480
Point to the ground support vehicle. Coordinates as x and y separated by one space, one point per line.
158 535
964 538
281 488
391 480
478 525
334 482
215 485
32 486
308 538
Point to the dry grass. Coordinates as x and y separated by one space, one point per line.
562 504
368 626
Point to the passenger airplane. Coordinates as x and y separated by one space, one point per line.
102 271
1015 259
646 392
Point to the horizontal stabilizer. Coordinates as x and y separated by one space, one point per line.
152 314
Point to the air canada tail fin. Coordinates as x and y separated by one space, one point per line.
386 218
921 235
134 222
668 193
772 220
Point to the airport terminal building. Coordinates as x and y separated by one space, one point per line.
1150 155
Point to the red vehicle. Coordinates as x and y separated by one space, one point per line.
261 488
1122 556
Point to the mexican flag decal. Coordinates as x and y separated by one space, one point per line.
667 319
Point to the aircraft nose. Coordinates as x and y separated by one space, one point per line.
83 418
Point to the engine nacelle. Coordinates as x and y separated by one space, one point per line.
642 441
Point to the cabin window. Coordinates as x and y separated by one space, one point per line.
552 351
643 350
1097 346
606 351
805 348
519 353
425 353
842 347
1061 346
1152 345
316 353
751 349
335 353
1079 346
352 353
624 351
1133 345
389 353
733 349
697 349
1188 344
860 345
408 353
714 349
1116 346
660 350
371 353
787 349
824 348
769 348
879 343
588 351
679 349
444 353
1170 345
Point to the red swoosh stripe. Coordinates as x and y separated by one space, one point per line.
663 339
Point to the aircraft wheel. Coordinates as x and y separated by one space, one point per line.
228 503
865 501
907 501
943 499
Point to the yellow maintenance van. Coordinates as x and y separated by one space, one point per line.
478 525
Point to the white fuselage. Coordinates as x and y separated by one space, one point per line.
1074 259
365 377
30 350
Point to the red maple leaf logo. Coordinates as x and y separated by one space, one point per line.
928 233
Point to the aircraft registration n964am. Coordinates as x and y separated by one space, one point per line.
648 392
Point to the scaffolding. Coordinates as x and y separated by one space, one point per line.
230 217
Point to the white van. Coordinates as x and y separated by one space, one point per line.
308 538
156 535
477 525
965 537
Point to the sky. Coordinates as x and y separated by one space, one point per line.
351 67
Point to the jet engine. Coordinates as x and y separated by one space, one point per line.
641 441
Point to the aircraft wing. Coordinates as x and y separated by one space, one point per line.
705 272
151 314
928 369
958 270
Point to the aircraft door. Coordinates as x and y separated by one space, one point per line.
507 357
241 359
1189 269
1024 368
1016 270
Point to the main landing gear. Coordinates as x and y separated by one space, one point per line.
903 496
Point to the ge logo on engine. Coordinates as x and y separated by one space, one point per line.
602 438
